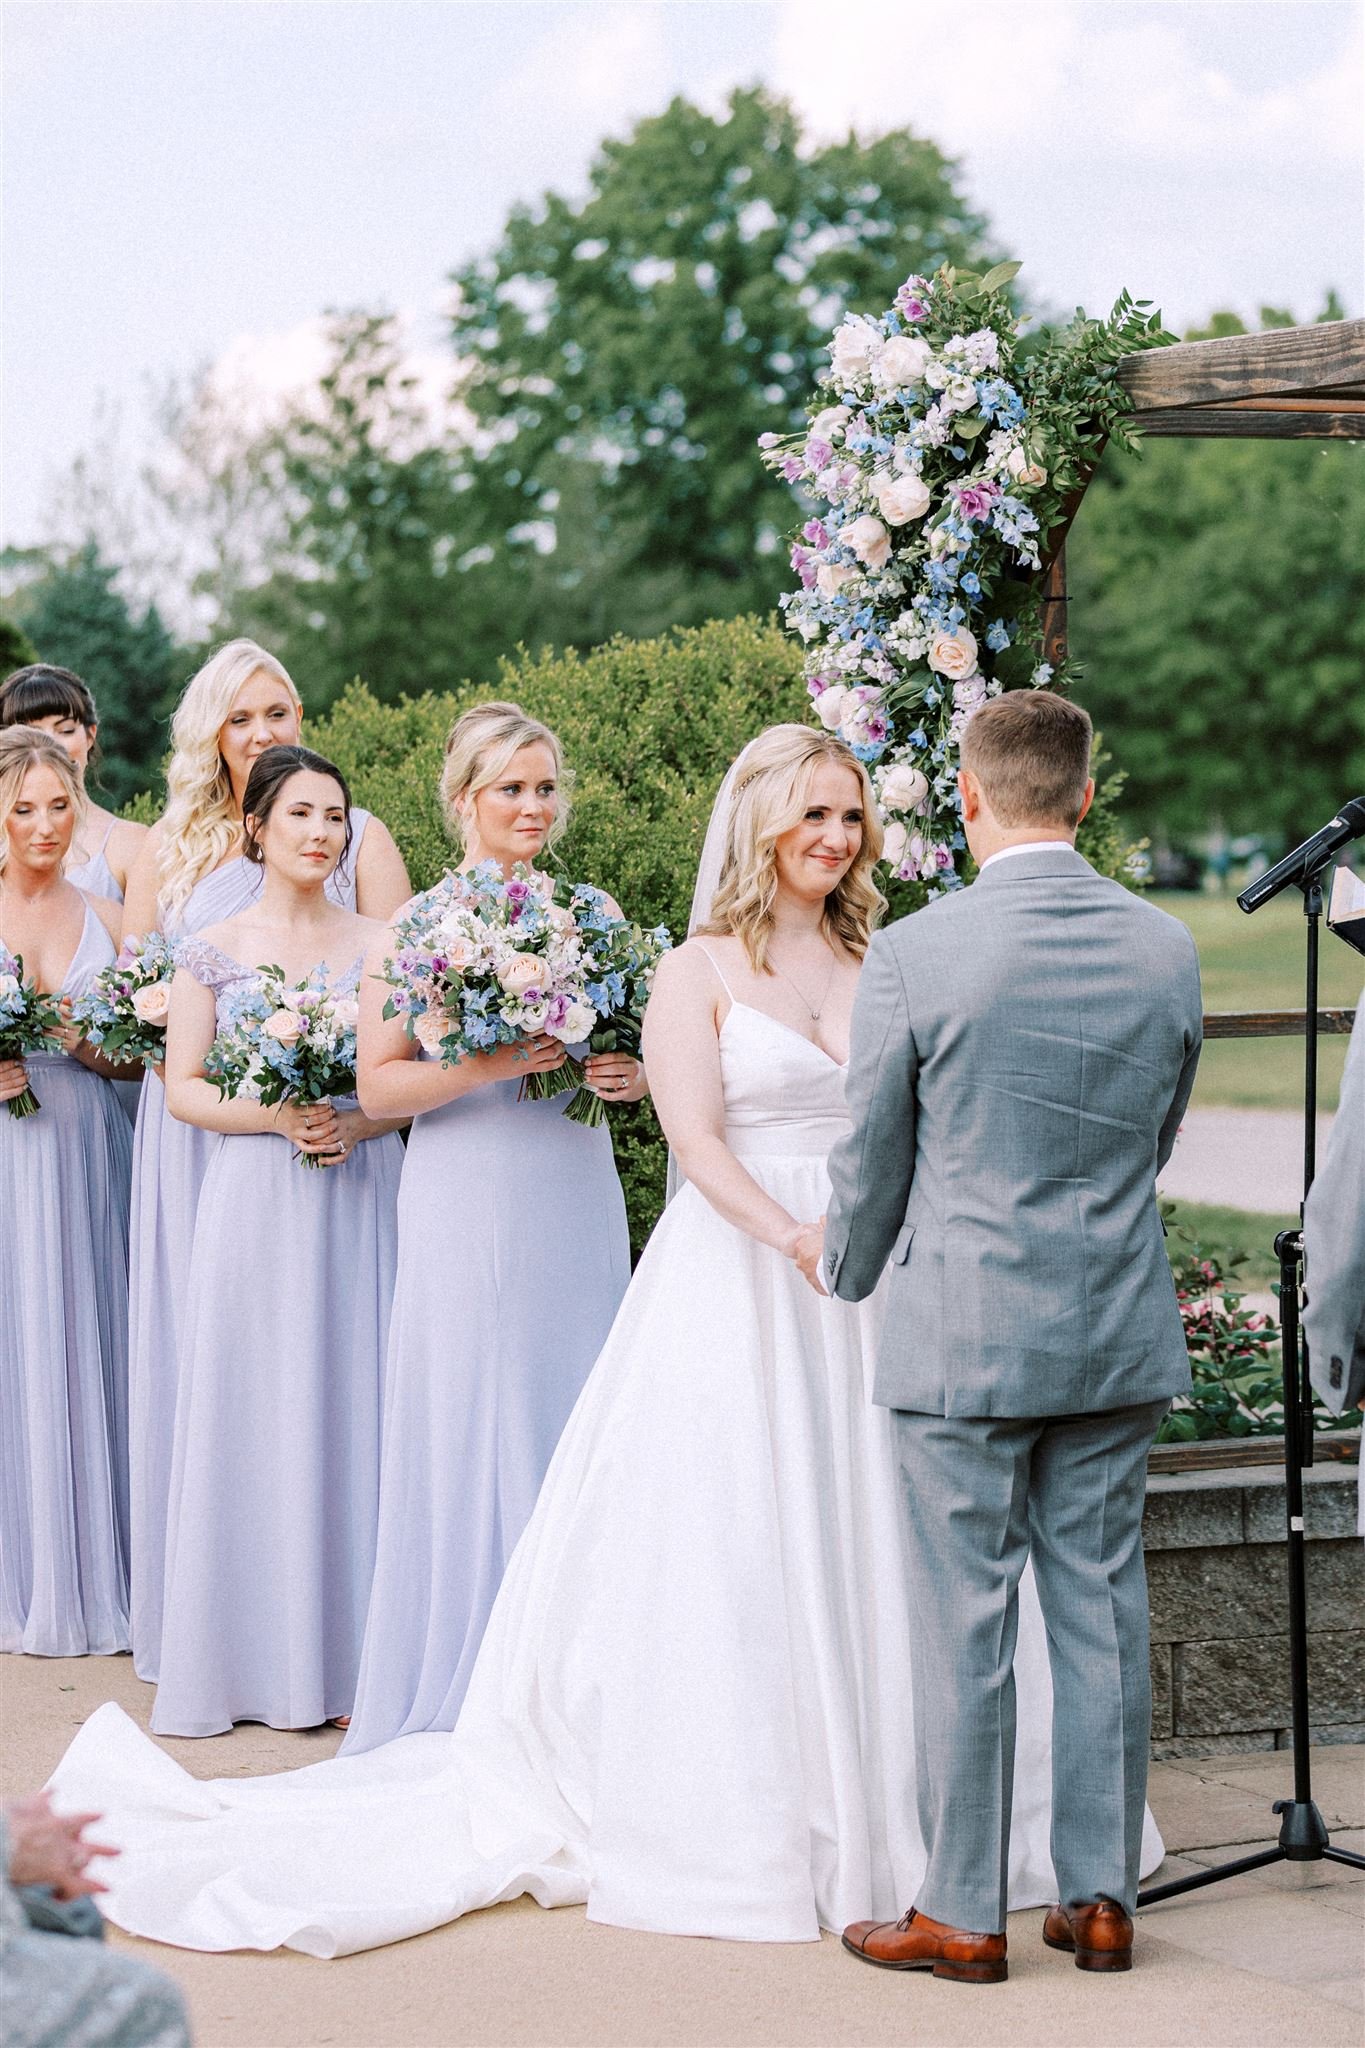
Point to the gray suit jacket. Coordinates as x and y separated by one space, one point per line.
1334 1245
1023 1051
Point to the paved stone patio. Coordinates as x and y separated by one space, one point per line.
1269 1961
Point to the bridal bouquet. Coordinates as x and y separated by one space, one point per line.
29 1022
124 1010
285 1043
481 961
943 451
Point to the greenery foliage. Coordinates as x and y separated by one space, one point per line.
76 618
16 649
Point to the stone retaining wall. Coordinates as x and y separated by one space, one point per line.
1216 1573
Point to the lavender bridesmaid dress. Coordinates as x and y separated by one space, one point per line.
513 1256
64 1177
169 1163
97 878
274 1488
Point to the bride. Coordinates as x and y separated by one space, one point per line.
692 1705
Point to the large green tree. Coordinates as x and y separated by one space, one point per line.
76 618
1218 609
624 352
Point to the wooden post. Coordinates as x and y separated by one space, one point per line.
1054 610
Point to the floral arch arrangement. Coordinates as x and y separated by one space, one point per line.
944 449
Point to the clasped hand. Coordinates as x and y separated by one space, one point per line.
13 1079
48 1848
807 1249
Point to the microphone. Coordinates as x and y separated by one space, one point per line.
1297 867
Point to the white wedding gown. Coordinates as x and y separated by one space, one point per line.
692 1704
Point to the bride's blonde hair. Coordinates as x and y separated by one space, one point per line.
770 797
26 746
200 821
482 741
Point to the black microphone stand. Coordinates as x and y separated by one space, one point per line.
1303 1836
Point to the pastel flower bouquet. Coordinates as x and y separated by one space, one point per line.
942 451
481 961
124 1010
285 1042
29 1022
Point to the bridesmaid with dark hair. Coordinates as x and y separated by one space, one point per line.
192 873
63 1250
275 1470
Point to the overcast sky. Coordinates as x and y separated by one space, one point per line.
189 181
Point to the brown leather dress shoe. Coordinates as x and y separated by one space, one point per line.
1098 1930
915 1942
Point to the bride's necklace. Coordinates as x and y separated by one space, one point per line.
812 1011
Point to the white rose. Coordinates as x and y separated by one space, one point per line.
430 1028
522 972
936 373
869 540
345 1013
953 654
959 393
151 1005
902 361
894 843
826 424
1024 470
901 497
851 350
904 788
579 1020
831 577
286 1026
829 708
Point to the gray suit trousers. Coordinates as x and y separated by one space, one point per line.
982 1492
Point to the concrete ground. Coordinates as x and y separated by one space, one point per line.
1241 1159
1270 1961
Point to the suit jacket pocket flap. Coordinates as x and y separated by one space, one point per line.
900 1251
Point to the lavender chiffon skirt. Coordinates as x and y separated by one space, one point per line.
63 1367
170 1160
274 1483
513 1256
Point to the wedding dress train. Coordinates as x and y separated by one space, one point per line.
692 1705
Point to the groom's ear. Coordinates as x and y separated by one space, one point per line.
1087 799
969 789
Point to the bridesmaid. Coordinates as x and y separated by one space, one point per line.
512 1258
63 1250
59 703
275 1473
192 873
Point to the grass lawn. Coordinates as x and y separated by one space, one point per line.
1225 1233
1256 963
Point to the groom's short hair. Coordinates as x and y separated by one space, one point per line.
1030 751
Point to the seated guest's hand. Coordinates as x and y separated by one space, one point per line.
47 1847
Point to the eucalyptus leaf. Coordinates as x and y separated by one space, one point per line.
1000 274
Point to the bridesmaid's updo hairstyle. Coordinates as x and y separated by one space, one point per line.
42 691
266 784
482 741
23 747
200 822
770 798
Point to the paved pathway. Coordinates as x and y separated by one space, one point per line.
1267 1962
1241 1159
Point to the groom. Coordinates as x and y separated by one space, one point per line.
1023 1052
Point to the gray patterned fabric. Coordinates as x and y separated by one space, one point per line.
1334 1245
1022 1055
59 1991
1023 1052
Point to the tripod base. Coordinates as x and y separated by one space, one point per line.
1303 1839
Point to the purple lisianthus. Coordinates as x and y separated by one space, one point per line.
818 453
912 300
815 533
791 468
974 501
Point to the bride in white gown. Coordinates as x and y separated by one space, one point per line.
692 1704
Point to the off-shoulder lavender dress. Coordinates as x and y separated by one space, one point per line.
513 1256
274 1490
97 878
169 1162
64 1177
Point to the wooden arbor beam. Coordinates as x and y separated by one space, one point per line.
1287 383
